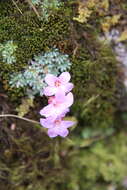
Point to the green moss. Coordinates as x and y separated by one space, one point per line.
53 164
29 159
98 166
31 35
95 76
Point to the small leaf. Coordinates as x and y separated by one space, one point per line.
24 108
123 36
108 22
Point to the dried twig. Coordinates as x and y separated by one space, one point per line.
18 117
33 7
17 7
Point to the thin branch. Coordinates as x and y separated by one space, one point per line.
17 7
33 7
18 117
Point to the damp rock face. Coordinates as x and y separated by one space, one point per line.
93 157
120 51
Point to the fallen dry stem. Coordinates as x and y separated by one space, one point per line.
17 7
18 117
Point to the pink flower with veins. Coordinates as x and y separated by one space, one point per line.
59 100
58 105
57 84
57 127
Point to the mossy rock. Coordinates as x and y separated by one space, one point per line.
99 166
94 68
29 159
31 35
95 80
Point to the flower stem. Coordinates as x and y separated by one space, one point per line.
18 117
17 7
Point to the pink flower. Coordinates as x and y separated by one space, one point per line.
57 127
58 105
57 84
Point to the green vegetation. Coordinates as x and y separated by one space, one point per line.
94 156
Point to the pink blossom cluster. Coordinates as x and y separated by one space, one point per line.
59 101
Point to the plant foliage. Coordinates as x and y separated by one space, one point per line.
7 51
33 76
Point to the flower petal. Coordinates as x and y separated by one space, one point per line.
68 87
52 133
49 91
60 96
50 79
46 123
64 77
69 100
64 113
47 110
67 124
63 132
52 111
